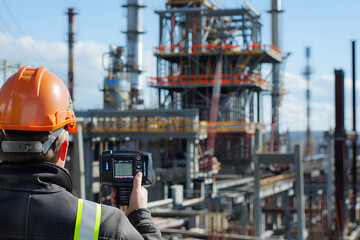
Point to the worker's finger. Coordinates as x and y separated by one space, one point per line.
137 180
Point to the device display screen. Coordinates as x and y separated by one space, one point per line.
123 169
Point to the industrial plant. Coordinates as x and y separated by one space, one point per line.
217 172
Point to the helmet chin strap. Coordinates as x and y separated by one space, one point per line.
30 146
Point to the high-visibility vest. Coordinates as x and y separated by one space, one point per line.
88 218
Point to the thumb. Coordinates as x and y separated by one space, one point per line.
137 180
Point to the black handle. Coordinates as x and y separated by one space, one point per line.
122 196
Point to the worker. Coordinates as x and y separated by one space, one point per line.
36 201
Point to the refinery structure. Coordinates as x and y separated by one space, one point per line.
215 176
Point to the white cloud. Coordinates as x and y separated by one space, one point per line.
292 113
293 109
293 82
88 72
89 76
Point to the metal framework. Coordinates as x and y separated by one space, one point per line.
285 158
194 37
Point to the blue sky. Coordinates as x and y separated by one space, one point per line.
35 32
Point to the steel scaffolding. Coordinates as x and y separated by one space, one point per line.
194 37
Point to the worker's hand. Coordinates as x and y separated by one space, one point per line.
139 195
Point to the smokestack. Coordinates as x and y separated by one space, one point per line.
276 42
354 143
134 48
71 13
339 151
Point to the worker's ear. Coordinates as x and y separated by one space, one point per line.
60 159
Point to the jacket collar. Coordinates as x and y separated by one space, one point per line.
34 177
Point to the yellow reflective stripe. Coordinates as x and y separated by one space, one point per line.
97 222
88 220
78 219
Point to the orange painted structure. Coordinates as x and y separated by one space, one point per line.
194 36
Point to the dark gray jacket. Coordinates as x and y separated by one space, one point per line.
36 203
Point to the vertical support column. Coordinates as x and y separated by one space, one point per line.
258 140
339 151
330 183
196 159
354 143
158 60
257 207
189 167
287 213
172 31
78 164
251 108
231 104
202 38
259 112
161 30
242 103
299 190
89 156
254 32
258 133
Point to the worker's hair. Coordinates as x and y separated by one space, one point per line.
14 135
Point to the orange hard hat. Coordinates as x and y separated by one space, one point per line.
34 99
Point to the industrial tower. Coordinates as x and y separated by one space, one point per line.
122 85
196 38
71 13
307 74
